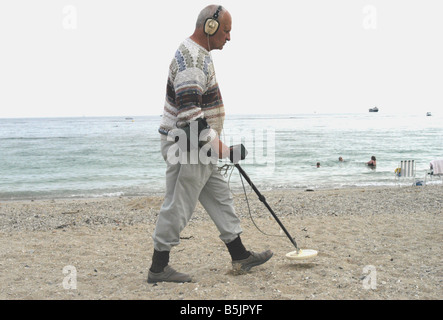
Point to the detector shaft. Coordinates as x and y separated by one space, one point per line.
263 199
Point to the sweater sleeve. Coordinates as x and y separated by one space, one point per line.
189 86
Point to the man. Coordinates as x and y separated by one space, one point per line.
193 94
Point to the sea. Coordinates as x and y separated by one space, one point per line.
86 157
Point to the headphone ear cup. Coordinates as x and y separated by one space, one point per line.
211 26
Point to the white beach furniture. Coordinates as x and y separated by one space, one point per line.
435 170
406 170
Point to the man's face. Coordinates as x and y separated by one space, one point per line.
223 34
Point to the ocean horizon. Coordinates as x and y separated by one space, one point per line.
83 157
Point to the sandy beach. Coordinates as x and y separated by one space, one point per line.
373 243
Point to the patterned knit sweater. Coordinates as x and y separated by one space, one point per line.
192 90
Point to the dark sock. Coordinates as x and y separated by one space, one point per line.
237 250
160 260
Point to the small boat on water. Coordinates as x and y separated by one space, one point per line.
428 114
375 109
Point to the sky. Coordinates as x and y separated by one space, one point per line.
111 57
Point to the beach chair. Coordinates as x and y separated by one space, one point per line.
435 170
405 170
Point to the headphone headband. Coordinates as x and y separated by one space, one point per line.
215 16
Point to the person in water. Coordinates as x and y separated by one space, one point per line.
373 162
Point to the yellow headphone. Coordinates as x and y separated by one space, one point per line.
212 24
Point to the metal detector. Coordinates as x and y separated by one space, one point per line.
298 254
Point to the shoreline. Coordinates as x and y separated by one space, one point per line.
397 231
236 193
236 190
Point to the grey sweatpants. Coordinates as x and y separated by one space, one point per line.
185 185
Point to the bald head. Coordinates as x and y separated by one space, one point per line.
208 12
221 36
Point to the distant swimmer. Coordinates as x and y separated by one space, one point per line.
373 162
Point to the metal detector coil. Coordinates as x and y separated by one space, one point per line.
300 254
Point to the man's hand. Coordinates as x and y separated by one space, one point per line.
233 153
237 153
223 150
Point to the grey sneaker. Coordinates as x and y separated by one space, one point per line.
168 275
255 259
